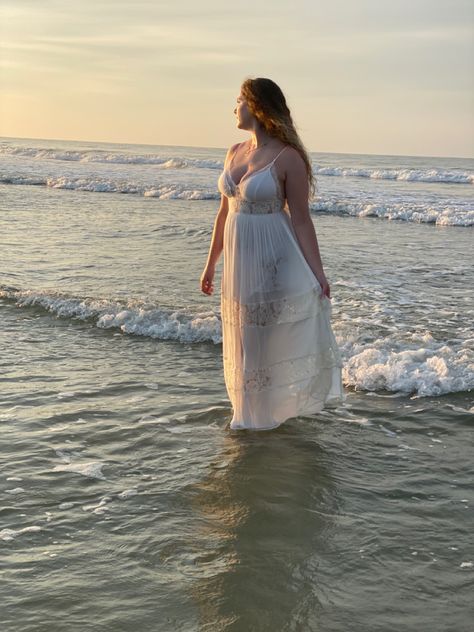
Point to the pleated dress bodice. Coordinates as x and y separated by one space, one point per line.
258 192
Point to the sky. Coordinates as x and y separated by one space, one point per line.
359 76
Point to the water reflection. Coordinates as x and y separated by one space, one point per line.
266 512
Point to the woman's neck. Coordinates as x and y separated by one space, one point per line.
258 138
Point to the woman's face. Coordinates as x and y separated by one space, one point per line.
244 117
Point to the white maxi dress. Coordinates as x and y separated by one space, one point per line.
280 355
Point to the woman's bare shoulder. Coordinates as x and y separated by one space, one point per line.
234 148
291 159
291 153
231 152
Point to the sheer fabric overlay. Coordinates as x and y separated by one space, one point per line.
280 355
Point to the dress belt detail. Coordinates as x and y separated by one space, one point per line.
262 207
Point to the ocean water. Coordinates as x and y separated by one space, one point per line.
129 504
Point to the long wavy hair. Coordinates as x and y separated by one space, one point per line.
267 103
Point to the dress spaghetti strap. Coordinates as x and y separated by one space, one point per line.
279 154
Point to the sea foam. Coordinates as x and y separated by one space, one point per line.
420 367
407 175
131 317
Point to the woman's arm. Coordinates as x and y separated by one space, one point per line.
217 239
216 246
297 195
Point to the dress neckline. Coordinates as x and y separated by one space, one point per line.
246 176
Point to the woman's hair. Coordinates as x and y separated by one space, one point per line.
267 103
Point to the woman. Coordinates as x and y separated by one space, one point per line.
280 355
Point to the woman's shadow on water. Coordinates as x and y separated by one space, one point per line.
265 516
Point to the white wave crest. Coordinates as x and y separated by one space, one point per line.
131 317
408 175
449 215
109 185
416 212
109 157
424 371
418 365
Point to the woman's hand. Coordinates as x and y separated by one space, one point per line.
207 278
323 282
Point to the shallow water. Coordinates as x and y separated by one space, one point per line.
128 504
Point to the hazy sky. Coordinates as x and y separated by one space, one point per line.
362 76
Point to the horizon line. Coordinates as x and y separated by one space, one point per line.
342 153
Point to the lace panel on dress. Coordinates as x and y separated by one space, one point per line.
261 207
286 373
283 310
